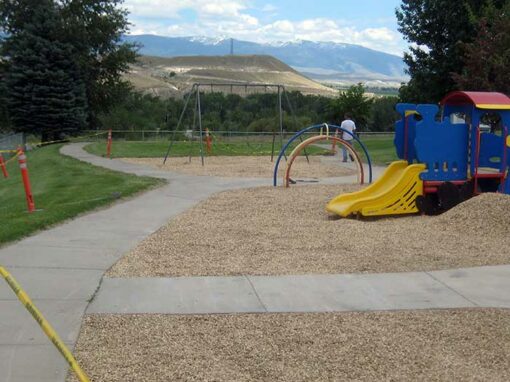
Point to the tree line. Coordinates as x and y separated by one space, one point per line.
253 113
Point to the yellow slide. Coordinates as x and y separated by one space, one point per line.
394 193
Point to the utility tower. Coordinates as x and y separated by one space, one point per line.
231 46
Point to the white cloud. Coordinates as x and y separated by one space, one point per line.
269 8
231 18
171 8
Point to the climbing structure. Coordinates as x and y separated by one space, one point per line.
448 155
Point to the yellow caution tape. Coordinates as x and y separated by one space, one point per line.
68 139
8 151
46 327
14 157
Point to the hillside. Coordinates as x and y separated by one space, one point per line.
167 77
321 61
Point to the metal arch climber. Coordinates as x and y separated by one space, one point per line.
297 150
322 137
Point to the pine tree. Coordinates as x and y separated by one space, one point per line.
45 92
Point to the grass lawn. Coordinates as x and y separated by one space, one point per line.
380 149
62 188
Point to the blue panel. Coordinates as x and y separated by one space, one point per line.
491 151
441 146
405 150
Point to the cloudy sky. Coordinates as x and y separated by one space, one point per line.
370 23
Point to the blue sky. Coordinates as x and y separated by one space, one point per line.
370 23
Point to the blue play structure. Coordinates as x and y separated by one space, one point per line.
464 146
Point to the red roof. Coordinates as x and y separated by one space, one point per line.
482 100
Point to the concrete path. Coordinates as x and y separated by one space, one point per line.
61 268
463 288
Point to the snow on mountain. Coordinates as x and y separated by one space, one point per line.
335 60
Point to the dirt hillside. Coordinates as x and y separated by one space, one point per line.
167 77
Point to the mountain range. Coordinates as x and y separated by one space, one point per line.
323 61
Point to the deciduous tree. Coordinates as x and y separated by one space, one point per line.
486 58
436 29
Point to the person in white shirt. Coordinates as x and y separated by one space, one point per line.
349 125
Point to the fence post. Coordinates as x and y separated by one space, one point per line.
2 164
208 141
22 159
109 144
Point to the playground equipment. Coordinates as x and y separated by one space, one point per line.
197 112
325 131
447 157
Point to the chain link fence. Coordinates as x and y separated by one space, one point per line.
11 142
166 135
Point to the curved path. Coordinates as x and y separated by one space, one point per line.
62 269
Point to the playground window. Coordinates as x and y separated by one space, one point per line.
457 118
491 123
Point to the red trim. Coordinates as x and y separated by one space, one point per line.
493 175
477 158
433 183
475 98
406 128
429 190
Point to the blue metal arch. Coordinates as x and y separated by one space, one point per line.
315 127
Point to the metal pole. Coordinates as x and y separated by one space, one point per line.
178 124
295 120
272 145
281 118
200 126
193 128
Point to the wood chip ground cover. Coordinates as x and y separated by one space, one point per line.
440 345
274 231
251 167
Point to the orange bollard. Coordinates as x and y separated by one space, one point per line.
208 141
109 144
22 159
4 169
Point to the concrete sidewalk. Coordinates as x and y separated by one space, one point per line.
61 268
463 288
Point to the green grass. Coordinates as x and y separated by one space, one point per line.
62 188
157 149
381 149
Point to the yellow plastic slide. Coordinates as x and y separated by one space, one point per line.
394 193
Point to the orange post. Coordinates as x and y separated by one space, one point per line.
109 144
4 169
22 159
208 141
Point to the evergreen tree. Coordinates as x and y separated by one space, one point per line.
44 90
436 29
